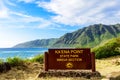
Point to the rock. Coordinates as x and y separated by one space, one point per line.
87 76
61 73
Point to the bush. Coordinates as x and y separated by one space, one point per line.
16 61
38 58
110 48
1 61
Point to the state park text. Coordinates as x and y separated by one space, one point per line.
69 55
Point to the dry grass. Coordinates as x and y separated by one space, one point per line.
108 65
31 70
26 72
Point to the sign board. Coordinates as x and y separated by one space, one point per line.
69 59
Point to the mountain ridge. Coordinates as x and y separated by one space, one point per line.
89 36
36 43
86 37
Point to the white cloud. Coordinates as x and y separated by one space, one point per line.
44 24
77 12
19 20
25 18
12 19
118 13
10 3
3 10
73 12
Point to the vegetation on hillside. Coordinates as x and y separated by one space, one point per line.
90 36
107 49
36 43
86 37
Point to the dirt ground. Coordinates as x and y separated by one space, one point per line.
108 65
28 71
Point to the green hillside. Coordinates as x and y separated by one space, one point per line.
108 48
90 36
36 43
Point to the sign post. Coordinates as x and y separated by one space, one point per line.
93 61
46 61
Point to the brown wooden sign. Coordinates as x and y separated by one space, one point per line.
69 59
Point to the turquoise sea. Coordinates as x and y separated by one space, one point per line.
20 52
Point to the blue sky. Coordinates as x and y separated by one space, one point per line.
25 20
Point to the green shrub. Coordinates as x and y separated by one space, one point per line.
16 61
1 61
38 58
110 48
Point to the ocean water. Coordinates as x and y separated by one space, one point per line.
20 52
